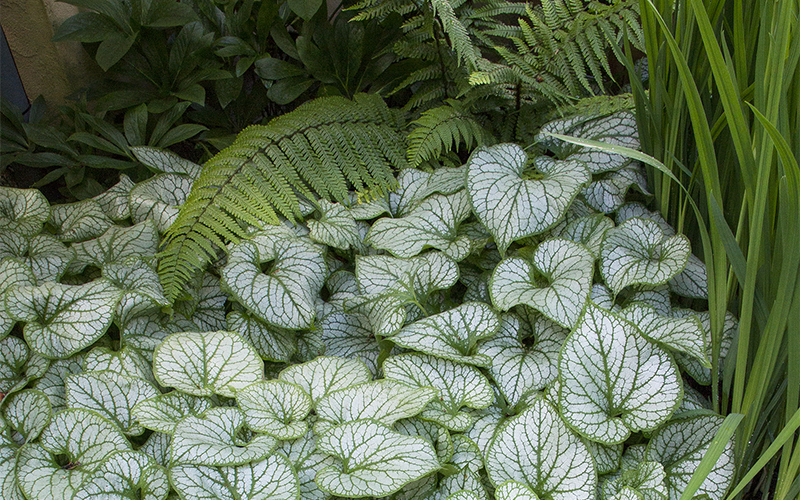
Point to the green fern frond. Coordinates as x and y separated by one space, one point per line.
322 148
442 129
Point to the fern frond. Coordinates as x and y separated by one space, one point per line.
323 148
455 31
442 129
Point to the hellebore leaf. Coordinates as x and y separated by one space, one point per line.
45 255
385 401
458 385
161 413
613 381
123 473
218 438
375 460
326 374
275 407
206 363
511 206
680 446
556 281
517 366
271 478
69 450
79 221
63 319
23 211
284 296
537 449
432 224
111 395
159 198
638 252
453 334
28 413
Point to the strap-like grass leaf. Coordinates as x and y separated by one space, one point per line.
375 460
12 273
218 438
285 295
638 252
275 407
458 385
385 401
159 198
307 461
63 319
271 478
680 446
79 221
69 450
556 281
206 363
23 211
537 449
511 206
682 334
45 255
434 223
28 413
272 343
326 374
453 334
613 381
116 245
111 395
524 355
125 473
161 413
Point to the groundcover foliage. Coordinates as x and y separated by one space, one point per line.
493 330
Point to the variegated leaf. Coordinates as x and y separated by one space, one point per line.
125 473
271 478
79 221
23 211
162 412
275 407
159 198
326 374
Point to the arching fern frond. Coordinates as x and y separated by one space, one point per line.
324 147
442 129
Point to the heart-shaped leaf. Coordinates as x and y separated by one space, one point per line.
680 446
638 252
348 335
385 401
618 129
275 407
434 223
284 296
590 230
375 460
12 273
415 185
606 193
271 478
165 161
613 381
116 245
126 361
336 227
682 334
695 368
45 255
52 381
453 334
28 413
111 395
9 489
512 206
556 281
125 473
69 450
326 374
307 461
207 363
140 287
458 385
606 457
692 282
161 413
647 479
536 449
524 355
203 304
218 438
115 200
63 319
271 343
79 221
23 211
159 198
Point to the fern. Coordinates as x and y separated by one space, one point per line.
561 48
442 129
322 148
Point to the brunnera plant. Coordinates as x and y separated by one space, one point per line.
514 328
